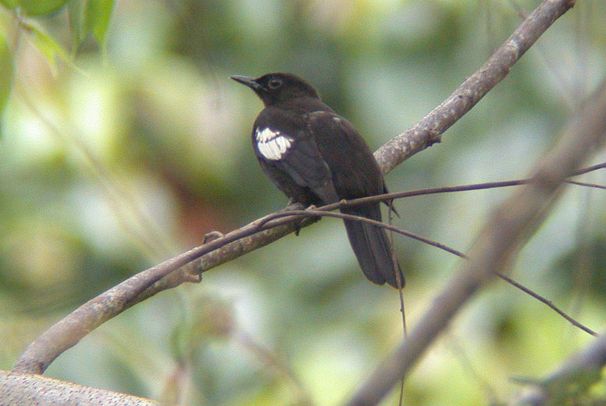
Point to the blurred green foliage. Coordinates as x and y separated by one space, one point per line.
36 7
124 142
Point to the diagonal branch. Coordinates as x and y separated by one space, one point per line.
67 332
429 130
508 229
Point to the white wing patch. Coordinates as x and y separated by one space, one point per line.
273 145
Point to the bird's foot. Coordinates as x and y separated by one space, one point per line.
212 236
311 207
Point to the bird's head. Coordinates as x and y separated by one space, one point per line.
275 88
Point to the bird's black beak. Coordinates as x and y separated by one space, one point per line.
247 81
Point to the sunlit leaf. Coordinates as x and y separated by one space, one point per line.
41 7
6 76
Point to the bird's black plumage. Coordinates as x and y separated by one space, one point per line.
317 157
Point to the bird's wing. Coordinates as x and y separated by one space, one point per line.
288 147
355 173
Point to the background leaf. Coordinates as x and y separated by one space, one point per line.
98 15
90 17
41 7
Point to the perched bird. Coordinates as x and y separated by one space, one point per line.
317 157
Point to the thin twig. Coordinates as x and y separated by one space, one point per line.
548 303
590 185
400 285
321 213
343 216
458 188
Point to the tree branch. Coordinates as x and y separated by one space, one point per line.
27 389
429 130
67 332
506 231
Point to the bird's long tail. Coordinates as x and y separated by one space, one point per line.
372 247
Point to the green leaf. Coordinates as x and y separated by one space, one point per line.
98 16
6 76
90 17
41 7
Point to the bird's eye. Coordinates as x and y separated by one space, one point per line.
274 83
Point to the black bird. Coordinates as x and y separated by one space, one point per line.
317 157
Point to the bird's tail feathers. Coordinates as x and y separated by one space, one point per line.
372 247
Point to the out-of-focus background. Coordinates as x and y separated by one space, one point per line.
123 142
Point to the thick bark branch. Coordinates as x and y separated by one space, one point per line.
67 332
507 230
27 389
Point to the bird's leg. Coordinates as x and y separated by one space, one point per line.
293 205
